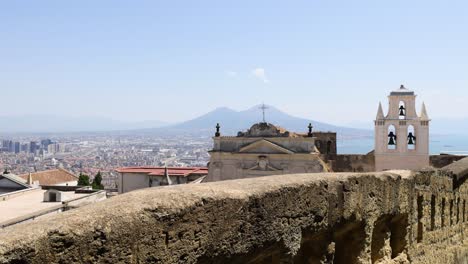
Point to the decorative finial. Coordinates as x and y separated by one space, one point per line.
402 87
217 134
263 108
310 130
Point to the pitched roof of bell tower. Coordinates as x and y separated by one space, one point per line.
424 115
402 91
380 114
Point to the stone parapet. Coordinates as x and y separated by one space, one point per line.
391 217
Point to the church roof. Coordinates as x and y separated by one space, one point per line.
424 115
16 179
402 91
264 129
380 114
50 177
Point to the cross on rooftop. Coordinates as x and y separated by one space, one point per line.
263 108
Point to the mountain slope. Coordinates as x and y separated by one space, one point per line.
232 121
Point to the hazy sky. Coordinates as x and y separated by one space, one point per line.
174 60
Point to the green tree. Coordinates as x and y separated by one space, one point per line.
83 180
97 181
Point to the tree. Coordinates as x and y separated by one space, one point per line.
97 181
83 180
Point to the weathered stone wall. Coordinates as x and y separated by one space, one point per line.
440 161
391 217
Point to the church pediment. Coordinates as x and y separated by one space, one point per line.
265 147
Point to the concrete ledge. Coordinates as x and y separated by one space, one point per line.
64 206
10 195
31 216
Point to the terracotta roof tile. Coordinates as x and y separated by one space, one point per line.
51 177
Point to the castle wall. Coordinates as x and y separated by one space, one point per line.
439 161
354 163
406 162
391 217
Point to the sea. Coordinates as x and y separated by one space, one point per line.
439 144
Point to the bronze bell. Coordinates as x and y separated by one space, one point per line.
411 138
402 111
392 138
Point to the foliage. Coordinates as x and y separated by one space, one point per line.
97 181
83 180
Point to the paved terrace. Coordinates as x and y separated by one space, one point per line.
27 203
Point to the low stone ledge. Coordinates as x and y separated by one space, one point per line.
238 221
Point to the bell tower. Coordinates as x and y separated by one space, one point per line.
401 136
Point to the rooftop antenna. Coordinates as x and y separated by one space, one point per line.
263 108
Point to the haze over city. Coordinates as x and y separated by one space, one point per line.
174 61
234 131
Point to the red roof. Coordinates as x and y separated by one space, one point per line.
51 177
159 171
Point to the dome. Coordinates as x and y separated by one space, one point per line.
264 129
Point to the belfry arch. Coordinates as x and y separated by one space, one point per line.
401 134
391 137
401 110
411 138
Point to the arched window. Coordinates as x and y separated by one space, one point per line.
392 137
318 144
329 147
401 110
411 138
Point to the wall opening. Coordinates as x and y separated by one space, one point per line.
380 239
401 110
464 208
350 239
451 212
318 144
433 212
314 248
419 236
389 237
392 137
442 213
329 147
411 138
398 234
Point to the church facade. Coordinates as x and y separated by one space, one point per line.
266 149
402 136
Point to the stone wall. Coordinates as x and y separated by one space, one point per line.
354 163
366 163
440 161
387 217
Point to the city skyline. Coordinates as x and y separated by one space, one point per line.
174 62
